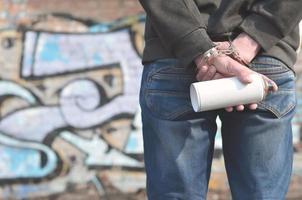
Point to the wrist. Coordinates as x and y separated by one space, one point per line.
246 46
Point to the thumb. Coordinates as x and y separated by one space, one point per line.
273 86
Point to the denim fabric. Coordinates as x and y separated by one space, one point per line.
179 143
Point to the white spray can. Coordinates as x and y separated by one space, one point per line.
226 92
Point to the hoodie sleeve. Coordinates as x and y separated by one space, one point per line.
271 20
179 26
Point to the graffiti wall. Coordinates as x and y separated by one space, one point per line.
69 109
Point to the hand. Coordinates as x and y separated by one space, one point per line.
221 66
225 66
247 48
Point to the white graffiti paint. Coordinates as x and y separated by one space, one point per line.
30 135
32 124
79 101
8 88
67 53
96 151
29 49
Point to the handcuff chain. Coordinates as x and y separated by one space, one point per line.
230 51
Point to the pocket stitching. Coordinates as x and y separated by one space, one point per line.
151 107
278 65
291 104
276 112
170 76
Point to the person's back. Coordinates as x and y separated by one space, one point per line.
274 24
200 40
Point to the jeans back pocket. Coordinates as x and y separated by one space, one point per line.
281 102
166 89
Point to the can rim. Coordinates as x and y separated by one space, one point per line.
195 98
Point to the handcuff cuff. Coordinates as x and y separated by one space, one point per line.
230 51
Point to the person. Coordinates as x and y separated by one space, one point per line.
199 40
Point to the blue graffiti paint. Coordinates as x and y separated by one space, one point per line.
134 144
51 51
99 28
97 58
17 162
22 159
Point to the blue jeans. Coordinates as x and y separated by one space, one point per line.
179 143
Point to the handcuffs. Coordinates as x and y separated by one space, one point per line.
230 51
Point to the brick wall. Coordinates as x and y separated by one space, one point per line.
106 10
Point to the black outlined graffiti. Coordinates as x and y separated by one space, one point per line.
77 83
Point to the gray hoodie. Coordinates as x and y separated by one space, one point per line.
184 29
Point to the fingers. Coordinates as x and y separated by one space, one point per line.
218 76
229 109
209 75
239 108
242 72
230 67
201 71
253 106
224 65
205 73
